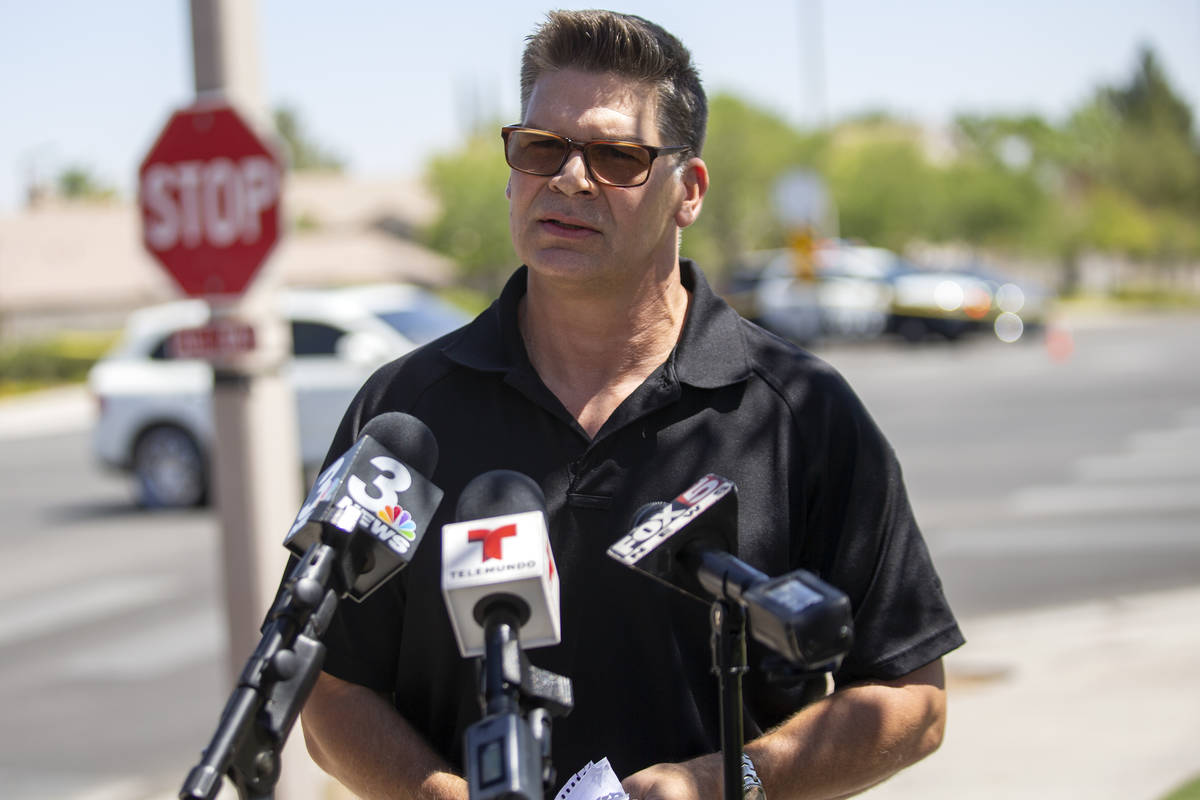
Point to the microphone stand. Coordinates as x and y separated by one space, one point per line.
784 612
278 676
729 663
508 756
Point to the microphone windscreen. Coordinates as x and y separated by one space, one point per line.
406 438
499 492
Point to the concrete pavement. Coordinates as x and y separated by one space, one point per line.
1092 701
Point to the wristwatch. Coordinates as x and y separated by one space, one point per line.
752 788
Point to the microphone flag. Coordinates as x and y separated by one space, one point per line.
498 559
703 516
370 490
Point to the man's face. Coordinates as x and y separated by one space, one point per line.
568 226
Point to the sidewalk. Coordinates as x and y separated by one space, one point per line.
1094 701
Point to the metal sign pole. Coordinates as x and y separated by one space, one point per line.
256 476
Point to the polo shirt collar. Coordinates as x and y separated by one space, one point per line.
711 351
712 348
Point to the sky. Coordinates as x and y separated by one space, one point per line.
387 84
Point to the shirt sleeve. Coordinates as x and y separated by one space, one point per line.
874 549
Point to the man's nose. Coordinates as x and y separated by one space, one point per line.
574 176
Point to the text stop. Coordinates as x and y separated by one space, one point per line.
217 203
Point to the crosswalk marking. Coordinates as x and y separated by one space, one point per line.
1051 537
73 606
1156 470
150 652
1102 498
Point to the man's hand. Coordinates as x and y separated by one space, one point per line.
834 748
698 779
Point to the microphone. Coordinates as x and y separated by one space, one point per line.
351 535
379 488
501 590
688 545
497 558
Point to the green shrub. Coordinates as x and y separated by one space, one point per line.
1189 791
37 363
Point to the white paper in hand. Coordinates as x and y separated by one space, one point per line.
596 781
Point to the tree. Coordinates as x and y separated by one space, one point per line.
884 185
1131 171
1148 101
472 225
304 153
78 182
1155 156
746 152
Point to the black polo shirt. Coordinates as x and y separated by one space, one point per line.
818 487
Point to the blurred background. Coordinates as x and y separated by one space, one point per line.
986 215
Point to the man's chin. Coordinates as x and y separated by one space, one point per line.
565 263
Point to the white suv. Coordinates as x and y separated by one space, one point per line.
155 417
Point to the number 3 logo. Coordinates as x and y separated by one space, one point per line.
392 479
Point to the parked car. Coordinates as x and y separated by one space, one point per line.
860 292
938 303
953 303
846 299
155 411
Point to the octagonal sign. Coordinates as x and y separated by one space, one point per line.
209 195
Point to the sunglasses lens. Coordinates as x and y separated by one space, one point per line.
613 163
618 164
535 153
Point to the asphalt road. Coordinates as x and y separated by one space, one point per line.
1038 482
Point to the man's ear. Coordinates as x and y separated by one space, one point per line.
695 186
508 188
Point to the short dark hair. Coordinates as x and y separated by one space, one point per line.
629 46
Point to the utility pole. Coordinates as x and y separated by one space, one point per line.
256 471
812 50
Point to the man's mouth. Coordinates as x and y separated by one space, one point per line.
567 225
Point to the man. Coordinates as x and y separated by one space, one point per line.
610 373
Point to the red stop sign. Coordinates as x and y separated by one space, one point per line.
209 197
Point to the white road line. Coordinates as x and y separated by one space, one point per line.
117 790
150 652
45 413
1177 440
1105 498
140 789
1140 466
77 605
1157 470
1020 538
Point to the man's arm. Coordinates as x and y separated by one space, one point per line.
855 738
358 737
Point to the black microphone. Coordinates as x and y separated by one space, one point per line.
379 487
498 554
688 545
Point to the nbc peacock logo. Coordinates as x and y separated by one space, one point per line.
400 520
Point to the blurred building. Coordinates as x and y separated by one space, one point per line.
82 263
